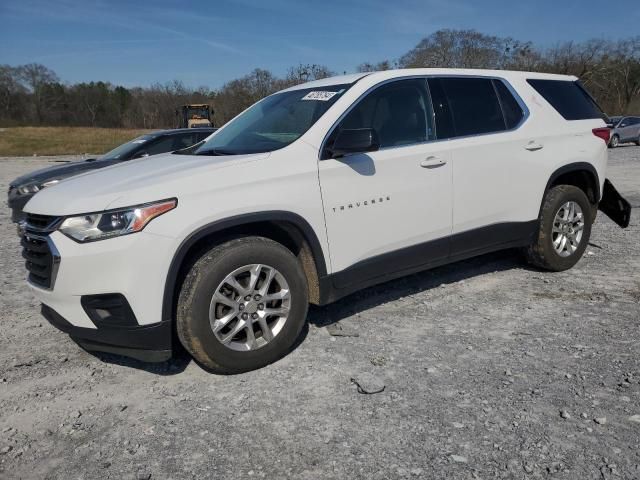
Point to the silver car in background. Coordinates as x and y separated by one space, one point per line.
625 129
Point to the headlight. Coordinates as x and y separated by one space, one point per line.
28 189
35 187
114 223
49 183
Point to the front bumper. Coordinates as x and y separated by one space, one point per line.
135 266
148 343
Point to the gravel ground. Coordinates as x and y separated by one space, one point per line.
490 370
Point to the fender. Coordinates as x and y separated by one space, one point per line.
575 167
230 222
570 167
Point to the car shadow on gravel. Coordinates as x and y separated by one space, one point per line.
177 364
393 290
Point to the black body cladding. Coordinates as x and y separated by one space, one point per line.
148 343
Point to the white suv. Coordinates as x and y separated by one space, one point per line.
310 194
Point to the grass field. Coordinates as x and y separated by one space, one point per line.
22 141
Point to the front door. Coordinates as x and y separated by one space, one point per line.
390 210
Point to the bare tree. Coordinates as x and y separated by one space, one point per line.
35 76
376 67
13 96
305 73
462 49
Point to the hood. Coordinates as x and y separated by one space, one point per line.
132 183
59 172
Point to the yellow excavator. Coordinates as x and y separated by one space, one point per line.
194 115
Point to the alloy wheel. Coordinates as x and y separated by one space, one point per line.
250 307
568 226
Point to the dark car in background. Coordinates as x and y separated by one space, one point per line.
624 130
163 141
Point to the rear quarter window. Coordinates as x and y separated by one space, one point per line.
570 99
512 110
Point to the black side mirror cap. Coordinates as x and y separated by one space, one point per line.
355 140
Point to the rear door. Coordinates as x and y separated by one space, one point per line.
490 157
390 210
626 129
634 129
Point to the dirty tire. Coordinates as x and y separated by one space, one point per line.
192 319
541 252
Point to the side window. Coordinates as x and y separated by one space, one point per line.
570 99
399 112
202 136
171 143
474 105
161 145
184 140
630 121
510 107
441 109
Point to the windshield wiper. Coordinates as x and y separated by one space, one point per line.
215 152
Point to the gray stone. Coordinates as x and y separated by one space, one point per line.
459 459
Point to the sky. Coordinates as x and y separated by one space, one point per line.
209 42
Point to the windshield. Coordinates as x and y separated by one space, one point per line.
274 122
126 148
196 113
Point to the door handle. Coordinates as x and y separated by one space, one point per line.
532 146
432 162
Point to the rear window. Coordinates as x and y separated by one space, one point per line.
570 99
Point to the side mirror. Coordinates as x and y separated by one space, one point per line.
356 140
622 125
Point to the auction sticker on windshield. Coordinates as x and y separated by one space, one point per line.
322 96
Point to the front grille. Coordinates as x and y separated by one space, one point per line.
42 223
41 257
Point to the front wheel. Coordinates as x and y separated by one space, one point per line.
564 229
242 305
615 141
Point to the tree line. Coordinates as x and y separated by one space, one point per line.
34 95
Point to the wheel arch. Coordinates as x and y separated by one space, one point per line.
579 174
287 228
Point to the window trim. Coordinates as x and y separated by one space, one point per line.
521 103
523 106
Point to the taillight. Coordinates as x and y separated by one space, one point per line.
604 133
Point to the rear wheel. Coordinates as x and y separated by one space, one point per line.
615 141
564 229
242 305
638 141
